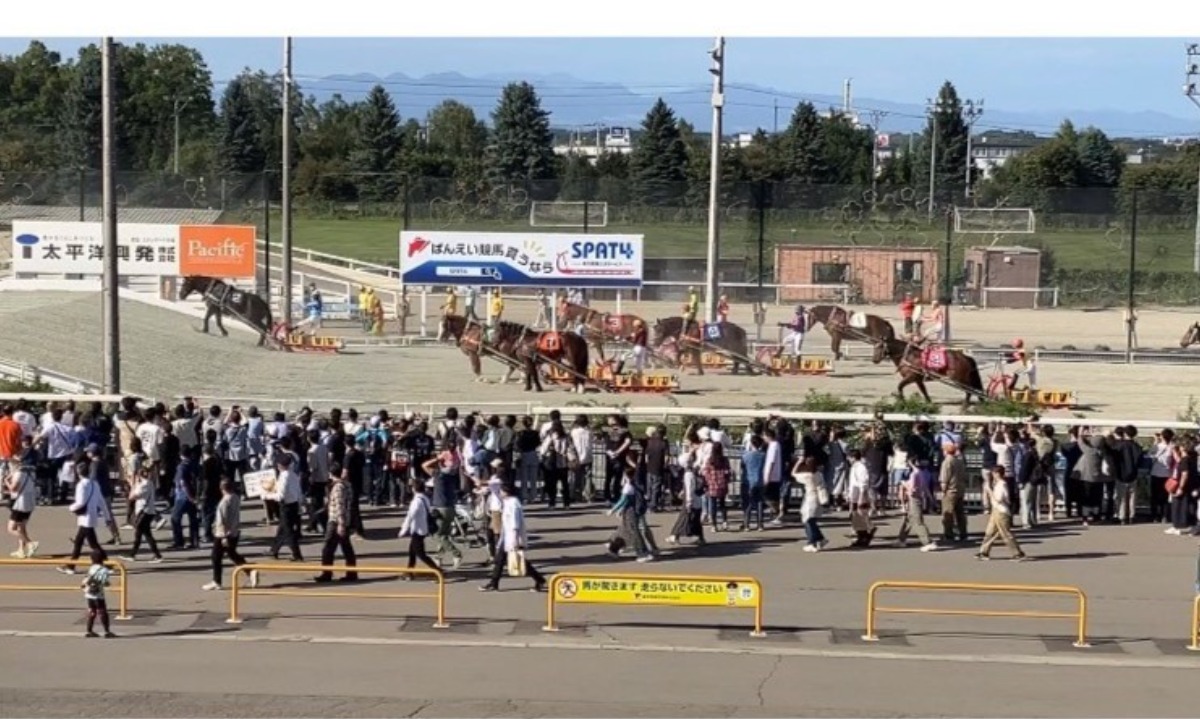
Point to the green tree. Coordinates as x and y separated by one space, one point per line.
845 152
802 146
32 87
951 146
612 178
1100 161
579 179
168 79
455 132
378 146
659 162
522 147
242 147
328 135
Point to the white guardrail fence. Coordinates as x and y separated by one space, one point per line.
23 372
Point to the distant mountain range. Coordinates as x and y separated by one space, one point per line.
575 103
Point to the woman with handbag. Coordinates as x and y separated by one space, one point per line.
514 540
1180 487
417 527
816 495
143 499
688 523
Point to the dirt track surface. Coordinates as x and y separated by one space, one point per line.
163 355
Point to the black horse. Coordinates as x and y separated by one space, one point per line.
221 297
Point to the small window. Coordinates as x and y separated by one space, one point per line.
830 273
910 270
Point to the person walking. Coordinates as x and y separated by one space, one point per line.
581 474
144 500
93 586
318 481
810 505
184 504
859 498
227 528
514 538
753 461
999 527
20 484
916 492
445 469
953 481
287 493
688 523
88 509
416 527
626 509
337 533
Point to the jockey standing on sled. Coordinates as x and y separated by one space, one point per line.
690 309
933 324
449 307
314 308
1021 364
723 309
638 339
794 339
495 310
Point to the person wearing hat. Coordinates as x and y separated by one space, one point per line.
513 539
953 481
723 309
364 307
314 307
449 307
1021 365
494 313
793 341
638 339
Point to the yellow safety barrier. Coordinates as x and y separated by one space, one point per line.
121 590
1080 616
655 590
238 592
1195 645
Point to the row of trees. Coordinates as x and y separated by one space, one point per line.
361 150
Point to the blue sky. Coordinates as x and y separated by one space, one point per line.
1012 74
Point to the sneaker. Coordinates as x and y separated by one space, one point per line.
931 547
1172 531
811 548
672 540
456 563
17 554
1022 557
823 544
156 560
110 635
31 549
253 579
127 525
647 558
211 587
488 588
983 557
67 570
90 635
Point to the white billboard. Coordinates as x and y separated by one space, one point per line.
521 259
78 248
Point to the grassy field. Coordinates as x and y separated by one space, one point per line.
376 240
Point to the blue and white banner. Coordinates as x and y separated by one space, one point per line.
521 259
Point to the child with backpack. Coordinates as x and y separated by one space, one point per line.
93 586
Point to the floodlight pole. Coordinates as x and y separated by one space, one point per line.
714 181
111 276
1191 90
933 107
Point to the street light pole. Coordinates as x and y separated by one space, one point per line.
1191 90
714 180
285 264
972 111
933 108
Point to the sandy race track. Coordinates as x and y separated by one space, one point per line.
164 356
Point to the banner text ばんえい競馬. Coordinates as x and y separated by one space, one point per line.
521 259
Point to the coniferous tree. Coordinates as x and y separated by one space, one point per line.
659 162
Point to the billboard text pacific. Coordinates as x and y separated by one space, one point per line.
610 250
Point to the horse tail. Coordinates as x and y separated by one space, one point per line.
974 380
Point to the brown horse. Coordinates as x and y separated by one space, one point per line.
910 360
840 323
598 327
724 335
469 336
563 348
1191 337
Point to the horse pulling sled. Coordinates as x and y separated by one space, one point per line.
686 346
606 373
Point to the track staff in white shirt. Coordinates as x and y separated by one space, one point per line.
416 527
288 494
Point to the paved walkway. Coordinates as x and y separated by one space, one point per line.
495 658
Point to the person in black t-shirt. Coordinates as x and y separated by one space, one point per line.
355 467
211 468
616 446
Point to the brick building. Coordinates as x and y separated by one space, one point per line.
876 275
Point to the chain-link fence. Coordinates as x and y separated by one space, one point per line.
1090 244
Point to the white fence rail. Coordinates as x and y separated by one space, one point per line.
22 372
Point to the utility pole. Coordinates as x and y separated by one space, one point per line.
1191 89
934 108
972 111
110 306
876 120
712 290
285 264
179 106
775 106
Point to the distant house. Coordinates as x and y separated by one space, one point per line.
990 150
595 141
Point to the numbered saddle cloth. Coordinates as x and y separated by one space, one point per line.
934 358
858 320
549 342
711 331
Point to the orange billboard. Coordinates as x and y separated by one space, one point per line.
225 251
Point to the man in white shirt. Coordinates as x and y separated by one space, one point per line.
288 494
88 509
186 429
55 440
151 434
23 417
555 416
773 475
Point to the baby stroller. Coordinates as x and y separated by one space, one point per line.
470 520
